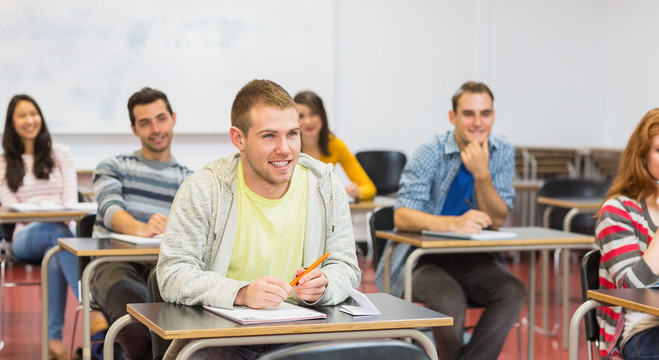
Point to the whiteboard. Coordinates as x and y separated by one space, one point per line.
81 60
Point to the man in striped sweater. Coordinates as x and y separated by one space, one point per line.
134 194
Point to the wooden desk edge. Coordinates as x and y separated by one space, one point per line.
616 301
110 252
442 243
287 328
594 205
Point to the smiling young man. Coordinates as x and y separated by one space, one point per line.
241 227
134 193
467 165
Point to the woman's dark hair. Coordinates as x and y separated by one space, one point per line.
315 103
14 148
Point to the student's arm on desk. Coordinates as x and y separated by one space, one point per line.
472 221
124 223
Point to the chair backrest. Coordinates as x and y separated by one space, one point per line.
85 226
382 218
582 188
349 350
589 281
384 168
158 345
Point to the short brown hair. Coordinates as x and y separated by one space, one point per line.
470 87
144 97
257 93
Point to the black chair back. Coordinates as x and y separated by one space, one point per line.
349 350
582 188
384 168
382 218
589 281
158 345
85 226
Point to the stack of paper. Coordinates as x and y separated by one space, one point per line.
137 240
482 235
284 312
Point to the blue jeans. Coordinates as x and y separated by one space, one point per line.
30 244
642 345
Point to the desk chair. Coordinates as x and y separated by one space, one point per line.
384 168
158 345
590 281
6 233
383 219
582 188
349 350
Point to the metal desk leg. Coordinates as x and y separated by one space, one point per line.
573 348
84 289
198 344
565 255
44 299
386 257
407 272
111 335
544 284
531 326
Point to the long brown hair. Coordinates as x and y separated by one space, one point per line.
634 180
315 103
14 148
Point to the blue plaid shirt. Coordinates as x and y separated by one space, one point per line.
427 178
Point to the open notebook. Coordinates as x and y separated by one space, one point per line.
137 240
482 235
284 312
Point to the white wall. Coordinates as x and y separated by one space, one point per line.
566 73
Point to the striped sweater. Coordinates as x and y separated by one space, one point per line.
623 230
133 183
60 187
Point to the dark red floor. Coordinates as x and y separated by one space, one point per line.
23 306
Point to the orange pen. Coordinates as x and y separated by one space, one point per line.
313 266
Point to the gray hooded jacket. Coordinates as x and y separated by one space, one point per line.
201 230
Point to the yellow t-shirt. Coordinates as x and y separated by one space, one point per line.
270 236
339 153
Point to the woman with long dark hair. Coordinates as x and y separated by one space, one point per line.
627 234
320 143
34 170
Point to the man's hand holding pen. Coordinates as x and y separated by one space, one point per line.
311 286
263 292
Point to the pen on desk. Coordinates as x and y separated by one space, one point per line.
313 266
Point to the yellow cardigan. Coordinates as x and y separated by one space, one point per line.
339 153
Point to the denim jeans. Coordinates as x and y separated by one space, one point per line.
30 244
643 345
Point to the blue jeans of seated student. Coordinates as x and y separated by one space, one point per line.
642 345
30 244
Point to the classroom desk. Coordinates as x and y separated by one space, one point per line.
8 216
528 239
361 213
174 321
643 300
104 250
576 205
370 205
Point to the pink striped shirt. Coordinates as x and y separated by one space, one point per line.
61 187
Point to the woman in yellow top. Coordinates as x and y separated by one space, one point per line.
318 142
